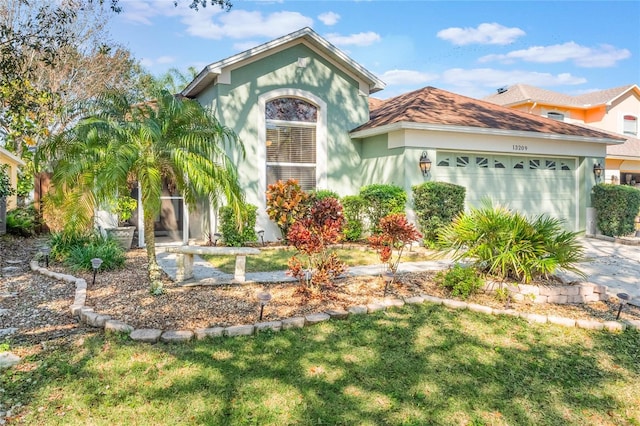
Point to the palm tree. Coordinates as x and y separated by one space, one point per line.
167 139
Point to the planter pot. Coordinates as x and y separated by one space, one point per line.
123 235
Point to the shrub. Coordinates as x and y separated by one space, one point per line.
617 207
461 281
107 249
231 234
395 233
507 245
381 200
325 193
353 206
5 184
286 203
311 236
22 221
62 243
436 204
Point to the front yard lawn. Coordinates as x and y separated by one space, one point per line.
276 259
411 366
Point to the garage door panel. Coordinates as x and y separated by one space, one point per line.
546 190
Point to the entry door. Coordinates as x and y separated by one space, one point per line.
171 222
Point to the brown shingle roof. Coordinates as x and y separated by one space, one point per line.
519 93
439 107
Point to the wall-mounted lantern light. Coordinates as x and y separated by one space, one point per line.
425 164
597 171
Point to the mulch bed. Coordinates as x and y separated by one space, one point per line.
39 306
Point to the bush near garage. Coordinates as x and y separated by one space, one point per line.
381 200
435 205
507 245
23 221
616 206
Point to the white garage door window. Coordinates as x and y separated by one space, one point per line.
531 185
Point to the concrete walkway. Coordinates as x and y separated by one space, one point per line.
612 264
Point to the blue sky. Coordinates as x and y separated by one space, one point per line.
466 47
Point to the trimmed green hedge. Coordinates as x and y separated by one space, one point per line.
233 236
382 200
353 209
436 204
616 206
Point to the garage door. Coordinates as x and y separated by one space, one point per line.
528 184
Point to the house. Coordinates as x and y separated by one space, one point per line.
14 163
304 110
615 110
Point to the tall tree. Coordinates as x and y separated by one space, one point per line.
168 139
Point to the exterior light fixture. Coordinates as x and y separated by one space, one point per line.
46 251
624 298
263 297
597 171
96 262
261 234
425 164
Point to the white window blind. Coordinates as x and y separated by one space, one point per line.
630 126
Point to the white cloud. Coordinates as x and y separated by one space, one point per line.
329 18
143 12
492 78
161 60
407 77
484 34
240 24
602 56
360 39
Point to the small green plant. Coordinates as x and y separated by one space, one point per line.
381 200
325 193
462 281
62 243
436 204
107 249
124 208
22 221
501 295
231 234
353 206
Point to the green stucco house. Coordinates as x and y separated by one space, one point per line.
305 110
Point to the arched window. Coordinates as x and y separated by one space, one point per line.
291 141
630 125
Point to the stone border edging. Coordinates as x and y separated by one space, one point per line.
87 315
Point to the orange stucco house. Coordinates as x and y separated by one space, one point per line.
615 110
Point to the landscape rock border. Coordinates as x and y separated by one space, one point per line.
87 315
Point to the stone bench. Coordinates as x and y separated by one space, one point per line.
184 260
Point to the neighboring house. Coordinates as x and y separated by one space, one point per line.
303 110
615 110
14 163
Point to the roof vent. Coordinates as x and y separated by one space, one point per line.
502 89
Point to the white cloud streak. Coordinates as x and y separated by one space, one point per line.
602 56
329 18
411 77
483 34
360 39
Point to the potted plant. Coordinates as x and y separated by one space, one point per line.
5 190
123 208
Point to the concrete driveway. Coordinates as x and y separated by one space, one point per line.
612 264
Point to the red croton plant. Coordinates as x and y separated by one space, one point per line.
312 236
395 234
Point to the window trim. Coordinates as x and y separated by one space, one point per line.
624 120
321 136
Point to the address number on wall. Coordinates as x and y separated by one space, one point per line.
520 147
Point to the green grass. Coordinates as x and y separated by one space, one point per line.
276 259
414 366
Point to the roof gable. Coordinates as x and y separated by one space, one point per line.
307 36
431 106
